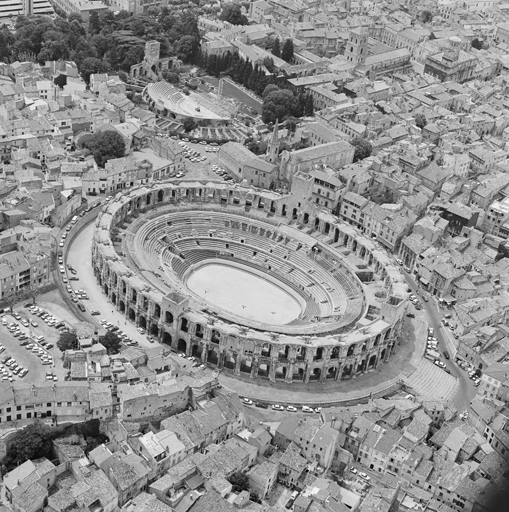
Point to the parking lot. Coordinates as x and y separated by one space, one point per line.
19 331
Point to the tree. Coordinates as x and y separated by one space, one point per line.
309 108
270 88
186 48
420 120
133 56
232 13
291 124
362 148
94 23
240 482
111 342
276 48
279 105
189 124
477 43
287 51
67 341
171 77
33 442
92 65
425 16
104 146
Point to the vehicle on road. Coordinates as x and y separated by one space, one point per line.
277 407
446 354
141 330
305 408
364 476
291 408
353 470
246 401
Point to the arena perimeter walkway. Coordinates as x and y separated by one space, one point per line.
402 366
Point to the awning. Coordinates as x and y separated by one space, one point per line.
425 282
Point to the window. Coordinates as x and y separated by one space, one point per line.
69 404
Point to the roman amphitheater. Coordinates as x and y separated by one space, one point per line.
253 283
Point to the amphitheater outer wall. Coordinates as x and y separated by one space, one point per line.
236 348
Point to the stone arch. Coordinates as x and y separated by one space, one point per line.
246 365
167 338
138 203
212 357
230 361
168 317
182 346
372 361
387 334
184 325
149 198
294 213
336 235
335 353
331 372
280 372
121 306
160 196
157 311
199 331
132 314
196 350
106 289
354 245
301 353
318 354
305 220
378 337
298 374
347 370
154 330
266 349
361 367
382 354
215 337
316 374
327 228
317 223
263 370
283 352
143 322
114 298
283 211
351 350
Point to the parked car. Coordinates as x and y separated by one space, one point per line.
446 354
291 408
277 407
247 401
353 470
305 408
364 476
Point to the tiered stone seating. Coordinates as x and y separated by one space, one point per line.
428 380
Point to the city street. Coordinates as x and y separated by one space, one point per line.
80 258
434 316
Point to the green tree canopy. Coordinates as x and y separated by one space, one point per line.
287 51
276 48
420 120
362 148
67 341
33 442
111 342
171 76
425 16
477 43
104 146
232 13
240 482
92 65
189 124
279 105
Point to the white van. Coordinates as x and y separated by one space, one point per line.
74 219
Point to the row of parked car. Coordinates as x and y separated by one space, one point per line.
9 368
277 407
124 338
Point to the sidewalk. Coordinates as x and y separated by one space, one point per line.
384 380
